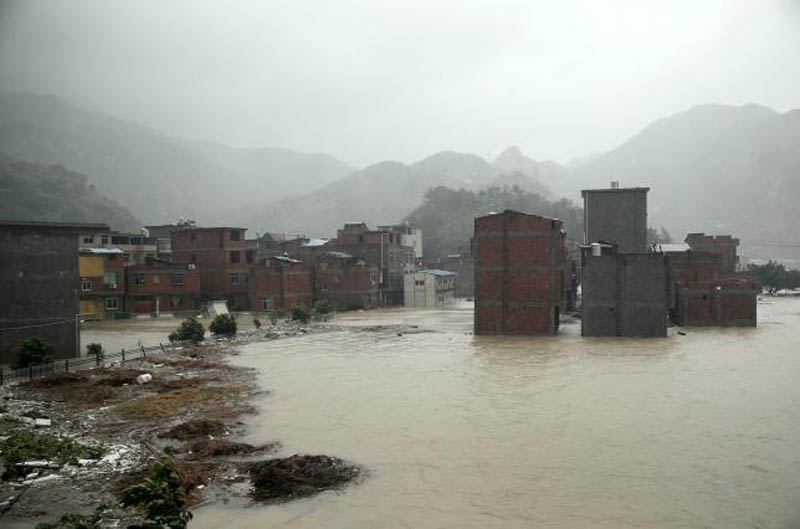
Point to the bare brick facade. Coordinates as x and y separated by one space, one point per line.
279 284
162 287
345 281
519 273
220 258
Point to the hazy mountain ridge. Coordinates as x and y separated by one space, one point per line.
30 191
712 168
154 175
382 193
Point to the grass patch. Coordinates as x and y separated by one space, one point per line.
27 446
165 405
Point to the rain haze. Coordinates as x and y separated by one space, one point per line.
401 264
371 81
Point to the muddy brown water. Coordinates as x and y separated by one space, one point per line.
701 430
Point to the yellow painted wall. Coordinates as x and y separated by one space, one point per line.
92 309
91 266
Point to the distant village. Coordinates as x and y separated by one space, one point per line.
520 269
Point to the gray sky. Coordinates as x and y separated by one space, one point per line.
373 79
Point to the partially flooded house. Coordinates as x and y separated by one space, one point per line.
520 268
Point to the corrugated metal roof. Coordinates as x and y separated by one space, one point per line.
436 272
314 243
339 255
285 259
101 250
672 248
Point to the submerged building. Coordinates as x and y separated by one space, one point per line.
425 289
520 267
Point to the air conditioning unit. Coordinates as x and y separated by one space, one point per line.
112 286
192 266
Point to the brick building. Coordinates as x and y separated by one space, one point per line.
279 284
40 285
221 260
347 282
519 273
102 282
720 303
724 245
381 248
160 287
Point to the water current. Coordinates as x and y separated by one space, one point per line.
695 430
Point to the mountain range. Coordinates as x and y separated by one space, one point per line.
712 168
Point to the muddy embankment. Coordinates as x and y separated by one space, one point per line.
73 441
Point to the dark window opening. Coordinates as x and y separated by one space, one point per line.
235 256
235 235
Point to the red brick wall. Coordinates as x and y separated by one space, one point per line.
726 302
349 285
519 264
162 289
210 252
288 285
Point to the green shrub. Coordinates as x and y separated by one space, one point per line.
223 324
322 306
162 497
95 350
301 313
27 445
257 323
190 329
32 352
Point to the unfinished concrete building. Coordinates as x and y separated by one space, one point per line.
519 273
624 294
723 245
40 285
616 216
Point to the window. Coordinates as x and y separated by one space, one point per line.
249 256
178 278
88 240
194 257
104 239
156 279
324 287
420 282
235 256
193 236
235 235
111 304
110 280
139 279
360 238
234 278
268 304
177 301
86 284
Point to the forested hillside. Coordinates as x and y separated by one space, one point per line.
30 191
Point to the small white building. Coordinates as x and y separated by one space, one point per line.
429 288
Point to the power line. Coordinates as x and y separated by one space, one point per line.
60 322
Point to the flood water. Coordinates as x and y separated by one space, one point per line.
701 430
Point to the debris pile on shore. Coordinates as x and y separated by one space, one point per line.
298 476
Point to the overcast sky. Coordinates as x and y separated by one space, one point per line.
372 80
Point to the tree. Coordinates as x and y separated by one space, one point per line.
223 324
32 352
301 313
774 276
662 236
190 329
162 497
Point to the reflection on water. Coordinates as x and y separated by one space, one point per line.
692 431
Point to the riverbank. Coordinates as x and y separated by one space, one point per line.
74 441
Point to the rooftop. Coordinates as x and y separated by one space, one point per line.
437 272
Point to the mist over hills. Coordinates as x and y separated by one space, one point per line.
56 194
712 168
157 177
384 193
